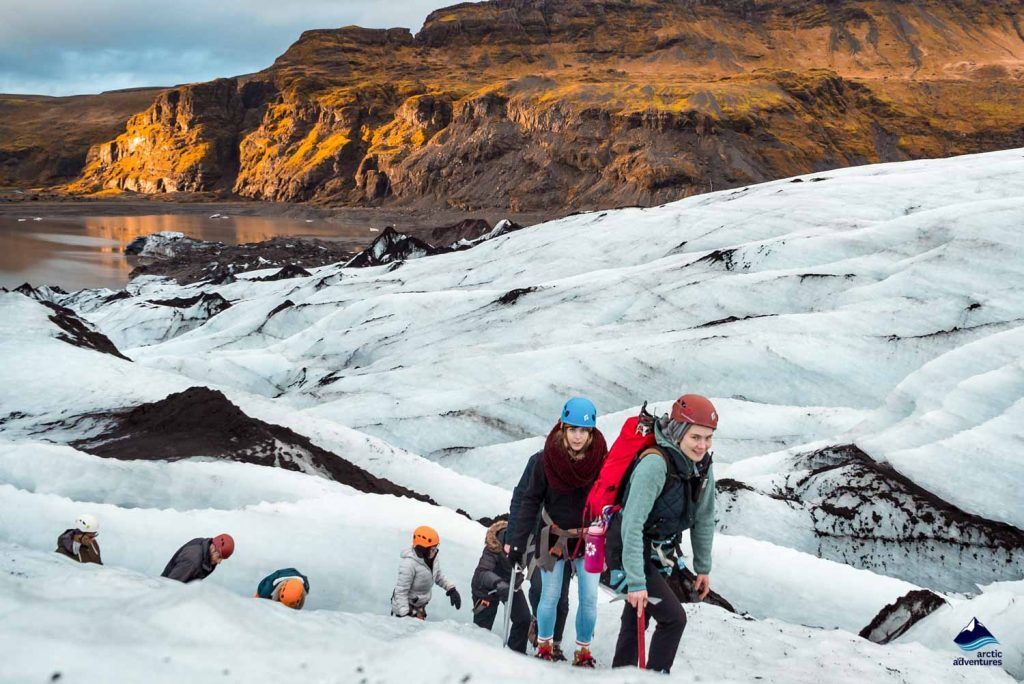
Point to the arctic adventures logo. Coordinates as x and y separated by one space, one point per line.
974 637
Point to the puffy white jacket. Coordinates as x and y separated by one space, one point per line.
415 581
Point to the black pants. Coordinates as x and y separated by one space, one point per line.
671 619
563 601
520 619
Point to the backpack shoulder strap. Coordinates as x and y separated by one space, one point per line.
628 475
672 471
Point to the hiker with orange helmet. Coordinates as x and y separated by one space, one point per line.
289 586
418 571
670 488
197 559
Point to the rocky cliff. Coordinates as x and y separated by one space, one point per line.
44 140
565 104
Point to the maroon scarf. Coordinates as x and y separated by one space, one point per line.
563 473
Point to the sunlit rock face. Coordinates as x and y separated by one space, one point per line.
562 105
44 140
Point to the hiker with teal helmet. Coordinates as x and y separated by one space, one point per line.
567 467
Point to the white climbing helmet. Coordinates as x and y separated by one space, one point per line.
87 523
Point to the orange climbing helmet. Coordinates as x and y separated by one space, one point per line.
292 593
425 536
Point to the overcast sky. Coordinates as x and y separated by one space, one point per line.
69 47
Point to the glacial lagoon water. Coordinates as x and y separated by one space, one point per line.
76 252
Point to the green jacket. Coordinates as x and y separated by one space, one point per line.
645 485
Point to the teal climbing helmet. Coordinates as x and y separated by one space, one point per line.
579 412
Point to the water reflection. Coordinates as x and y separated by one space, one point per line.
87 251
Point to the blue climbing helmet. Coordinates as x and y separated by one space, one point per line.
579 412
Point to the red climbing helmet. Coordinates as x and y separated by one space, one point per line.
224 544
696 410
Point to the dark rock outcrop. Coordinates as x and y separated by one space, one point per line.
392 246
43 293
467 229
189 261
513 296
502 227
73 328
289 271
80 333
164 245
868 515
200 308
203 422
896 618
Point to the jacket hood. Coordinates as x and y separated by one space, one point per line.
491 542
66 540
687 467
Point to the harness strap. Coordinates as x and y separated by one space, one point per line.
658 551
549 553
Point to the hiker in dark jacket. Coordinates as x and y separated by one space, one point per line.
198 558
671 489
562 612
288 585
571 460
80 542
491 584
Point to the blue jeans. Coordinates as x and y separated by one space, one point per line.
551 589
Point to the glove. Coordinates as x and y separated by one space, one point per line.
453 595
515 556
501 589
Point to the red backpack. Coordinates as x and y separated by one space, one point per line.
637 434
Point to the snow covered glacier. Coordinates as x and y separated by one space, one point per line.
860 330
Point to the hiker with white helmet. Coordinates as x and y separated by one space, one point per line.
569 463
79 542
669 488
418 571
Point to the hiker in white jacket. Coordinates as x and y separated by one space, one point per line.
418 571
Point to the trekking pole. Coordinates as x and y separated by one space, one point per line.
641 637
508 606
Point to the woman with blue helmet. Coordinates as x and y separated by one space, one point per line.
557 493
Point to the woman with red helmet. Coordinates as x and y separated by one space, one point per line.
671 489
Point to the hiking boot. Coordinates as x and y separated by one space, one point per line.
556 653
531 635
583 658
545 651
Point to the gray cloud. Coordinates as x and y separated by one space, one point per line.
65 47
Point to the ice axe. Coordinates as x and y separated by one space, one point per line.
641 637
508 606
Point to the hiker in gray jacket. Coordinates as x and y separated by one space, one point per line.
418 571
198 558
